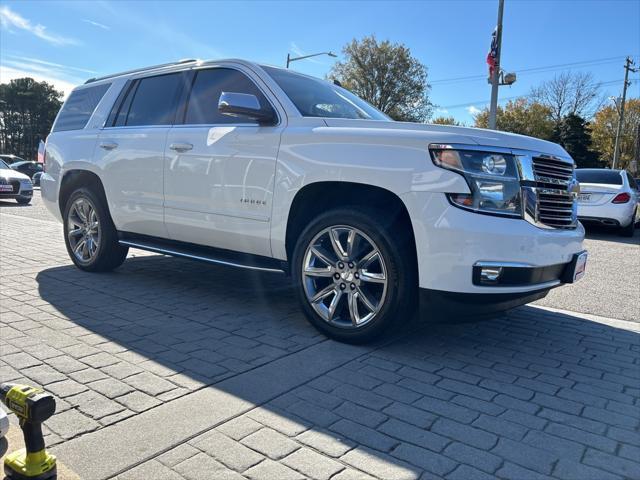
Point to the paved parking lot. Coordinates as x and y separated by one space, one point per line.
170 369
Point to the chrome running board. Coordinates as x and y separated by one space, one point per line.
203 254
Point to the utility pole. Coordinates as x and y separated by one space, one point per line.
495 78
616 149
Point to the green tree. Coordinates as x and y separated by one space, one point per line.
27 111
387 76
603 132
520 116
442 120
574 135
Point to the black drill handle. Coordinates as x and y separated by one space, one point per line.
33 439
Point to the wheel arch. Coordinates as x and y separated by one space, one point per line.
74 179
317 197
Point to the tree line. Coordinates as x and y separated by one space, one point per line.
568 109
27 111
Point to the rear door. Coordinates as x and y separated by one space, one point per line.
219 170
131 149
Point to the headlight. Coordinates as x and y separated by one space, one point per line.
492 178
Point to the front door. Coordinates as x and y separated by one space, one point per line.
219 170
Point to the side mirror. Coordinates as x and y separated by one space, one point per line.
244 105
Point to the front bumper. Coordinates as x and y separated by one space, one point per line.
438 304
450 241
18 189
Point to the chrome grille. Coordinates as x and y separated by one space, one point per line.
555 205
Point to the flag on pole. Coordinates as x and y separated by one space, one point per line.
493 52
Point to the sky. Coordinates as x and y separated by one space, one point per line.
66 43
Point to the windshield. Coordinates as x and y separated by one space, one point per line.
595 175
317 98
4 166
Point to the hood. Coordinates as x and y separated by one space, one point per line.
451 134
10 174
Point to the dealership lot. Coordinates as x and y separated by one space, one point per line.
174 369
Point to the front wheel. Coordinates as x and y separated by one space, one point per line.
90 236
355 277
23 200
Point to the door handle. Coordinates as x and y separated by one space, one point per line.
108 145
181 147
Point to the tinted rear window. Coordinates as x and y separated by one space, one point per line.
154 101
79 107
608 177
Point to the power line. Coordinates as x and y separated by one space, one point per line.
505 99
546 68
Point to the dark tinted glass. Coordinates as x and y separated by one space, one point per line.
317 98
202 107
79 107
154 101
609 177
632 182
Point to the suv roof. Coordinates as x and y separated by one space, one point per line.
143 69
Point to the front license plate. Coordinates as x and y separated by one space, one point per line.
584 197
6 188
581 266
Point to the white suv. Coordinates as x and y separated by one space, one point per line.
258 167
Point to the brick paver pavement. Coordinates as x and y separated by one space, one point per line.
205 372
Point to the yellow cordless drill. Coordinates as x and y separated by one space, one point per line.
32 406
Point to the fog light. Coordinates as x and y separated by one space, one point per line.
490 274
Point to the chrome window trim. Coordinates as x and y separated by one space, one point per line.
196 68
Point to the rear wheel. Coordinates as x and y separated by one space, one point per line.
90 236
355 277
629 229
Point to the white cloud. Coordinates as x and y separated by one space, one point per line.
36 64
10 19
298 52
442 111
96 24
473 110
63 85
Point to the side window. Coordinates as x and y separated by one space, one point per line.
79 107
202 106
152 101
632 181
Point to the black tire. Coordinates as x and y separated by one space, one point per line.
23 200
109 253
629 229
396 248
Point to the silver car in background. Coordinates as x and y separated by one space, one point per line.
609 198
14 185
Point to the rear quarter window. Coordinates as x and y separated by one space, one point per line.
79 107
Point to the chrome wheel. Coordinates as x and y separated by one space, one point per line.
344 276
83 230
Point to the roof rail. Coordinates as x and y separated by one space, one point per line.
136 70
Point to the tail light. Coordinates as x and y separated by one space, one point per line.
623 197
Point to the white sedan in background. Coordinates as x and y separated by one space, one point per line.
609 198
